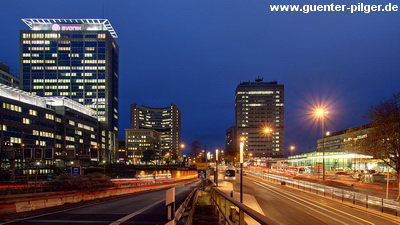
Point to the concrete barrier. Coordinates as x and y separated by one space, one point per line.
61 199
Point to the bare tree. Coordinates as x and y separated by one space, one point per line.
382 141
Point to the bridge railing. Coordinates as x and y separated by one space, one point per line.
234 212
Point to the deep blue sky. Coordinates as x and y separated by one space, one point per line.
195 52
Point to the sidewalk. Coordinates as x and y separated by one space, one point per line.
248 200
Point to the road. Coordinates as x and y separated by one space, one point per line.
144 208
291 206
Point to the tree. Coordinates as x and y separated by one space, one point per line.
382 141
148 156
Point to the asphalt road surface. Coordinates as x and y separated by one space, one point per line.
144 208
291 206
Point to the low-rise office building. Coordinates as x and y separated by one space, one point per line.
138 141
45 134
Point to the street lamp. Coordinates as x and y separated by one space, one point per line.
241 168
292 148
320 113
216 166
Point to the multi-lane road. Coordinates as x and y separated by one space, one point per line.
287 205
144 208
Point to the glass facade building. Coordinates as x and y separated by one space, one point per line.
78 59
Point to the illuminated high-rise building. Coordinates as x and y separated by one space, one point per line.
259 117
78 59
167 121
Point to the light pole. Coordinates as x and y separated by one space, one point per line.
241 169
320 113
216 167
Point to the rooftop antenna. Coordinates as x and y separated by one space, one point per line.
259 79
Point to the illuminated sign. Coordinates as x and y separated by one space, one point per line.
57 27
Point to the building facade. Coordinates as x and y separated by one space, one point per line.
259 118
140 141
167 121
45 134
231 144
342 141
78 59
7 78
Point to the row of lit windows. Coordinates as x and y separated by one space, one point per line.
49 116
36 42
51 80
40 35
39 48
43 133
258 92
90 80
51 87
68 68
38 61
86 127
77 55
33 112
93 61
30 55
12 107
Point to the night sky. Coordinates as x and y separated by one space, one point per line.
194 53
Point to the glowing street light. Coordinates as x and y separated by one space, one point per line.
241 146
216 166
292 148
320 113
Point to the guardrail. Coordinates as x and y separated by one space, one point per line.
234 212
380 204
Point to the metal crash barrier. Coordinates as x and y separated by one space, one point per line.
232 212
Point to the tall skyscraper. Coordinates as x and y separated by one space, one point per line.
259 117
78 59
167 121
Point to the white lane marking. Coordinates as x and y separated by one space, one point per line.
125 218
339 221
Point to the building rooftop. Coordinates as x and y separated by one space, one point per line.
94 24
43 102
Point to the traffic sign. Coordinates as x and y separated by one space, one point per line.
201 166
76 171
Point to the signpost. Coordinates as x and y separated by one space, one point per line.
76 171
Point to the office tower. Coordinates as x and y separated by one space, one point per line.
78 59
138 141
7 78
259 108
167 121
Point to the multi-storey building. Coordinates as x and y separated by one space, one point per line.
167 121
342 141
45 132
231 142
7 78
259 108
138 141
78 59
